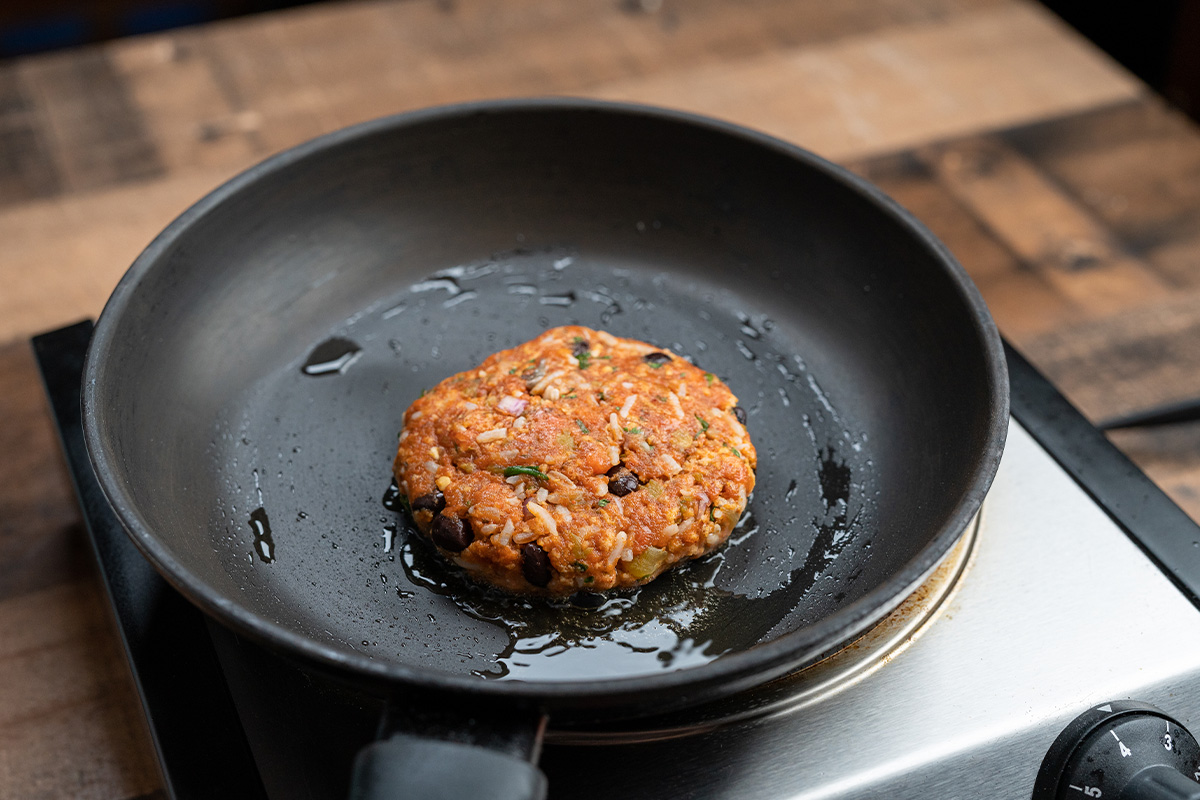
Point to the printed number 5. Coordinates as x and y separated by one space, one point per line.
1091 791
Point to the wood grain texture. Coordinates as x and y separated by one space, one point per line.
1044 227
70 725
876 94
1070 196
1136 167
847 96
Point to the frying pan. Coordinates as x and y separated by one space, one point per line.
247 378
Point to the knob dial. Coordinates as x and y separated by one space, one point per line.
1124 750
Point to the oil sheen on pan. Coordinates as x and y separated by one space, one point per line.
813 498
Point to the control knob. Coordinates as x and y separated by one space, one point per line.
1124 750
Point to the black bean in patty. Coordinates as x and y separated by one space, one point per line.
452 533
740 413
579 348
656 358
535 564
621 481
435 501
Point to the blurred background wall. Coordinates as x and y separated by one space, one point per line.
1158 40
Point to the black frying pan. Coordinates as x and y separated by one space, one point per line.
248 376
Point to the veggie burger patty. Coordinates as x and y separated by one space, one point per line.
578 460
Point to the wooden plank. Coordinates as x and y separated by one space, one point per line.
62 257
27 170
1021 300
1126 362
96 131
903 88
1136 167
184 106
311 70
1045 227
91 238
70 725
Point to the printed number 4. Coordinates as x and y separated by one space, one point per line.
1125 753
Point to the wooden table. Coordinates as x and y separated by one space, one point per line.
1070 193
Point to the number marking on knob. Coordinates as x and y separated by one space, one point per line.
1125 751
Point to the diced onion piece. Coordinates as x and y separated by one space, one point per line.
511 405
647 562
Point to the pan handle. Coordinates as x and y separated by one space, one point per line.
452 752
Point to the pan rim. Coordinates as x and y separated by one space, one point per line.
721 676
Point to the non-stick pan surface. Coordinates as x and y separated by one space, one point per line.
248 378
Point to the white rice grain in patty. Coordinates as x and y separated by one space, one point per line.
675 406
618 549
628 406
544 517
524 536
495 434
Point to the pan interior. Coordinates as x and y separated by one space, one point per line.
309 455
263 359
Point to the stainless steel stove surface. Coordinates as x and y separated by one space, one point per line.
1047 608
1058 611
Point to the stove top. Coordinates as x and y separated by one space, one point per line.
1075 586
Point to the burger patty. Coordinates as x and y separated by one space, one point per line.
578 460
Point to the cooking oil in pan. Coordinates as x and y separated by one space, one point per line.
681 619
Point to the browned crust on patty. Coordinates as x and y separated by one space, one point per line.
558 414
